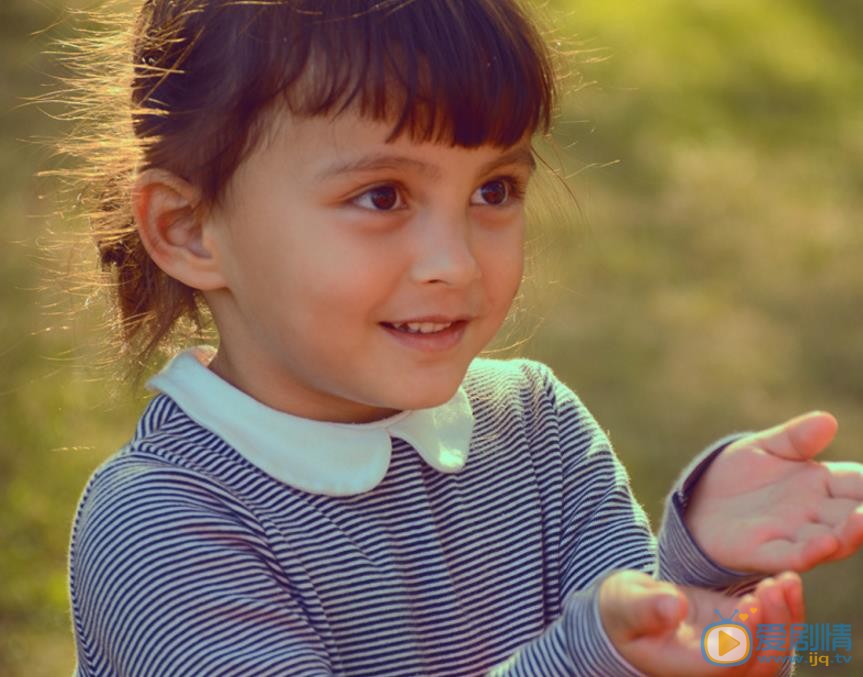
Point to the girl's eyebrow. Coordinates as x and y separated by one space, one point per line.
377 161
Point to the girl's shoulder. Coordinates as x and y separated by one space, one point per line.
148 491
517 380
506 376
526 389
161 462
524 413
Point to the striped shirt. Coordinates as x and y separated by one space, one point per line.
193 555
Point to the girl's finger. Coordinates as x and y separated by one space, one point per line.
637 607
772 607
834 512
792 586
851 534
817 543
845 518
794 554
772 597
780 603
800 438
845 479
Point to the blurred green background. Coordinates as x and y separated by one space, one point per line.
709 281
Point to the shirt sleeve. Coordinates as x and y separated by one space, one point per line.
608 520
681 560
167 577
605 529
574 644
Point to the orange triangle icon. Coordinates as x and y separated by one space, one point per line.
727 643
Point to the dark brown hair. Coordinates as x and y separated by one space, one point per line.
200 74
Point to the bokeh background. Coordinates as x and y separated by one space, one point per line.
708 280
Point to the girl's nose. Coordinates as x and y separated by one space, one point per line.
445 254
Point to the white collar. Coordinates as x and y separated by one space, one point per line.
335 459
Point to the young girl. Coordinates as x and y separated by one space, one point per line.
343 486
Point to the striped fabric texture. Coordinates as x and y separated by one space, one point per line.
186 559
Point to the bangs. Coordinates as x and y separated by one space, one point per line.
465 73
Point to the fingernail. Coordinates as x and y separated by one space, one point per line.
790 576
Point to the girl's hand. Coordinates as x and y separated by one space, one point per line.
666 640
764 505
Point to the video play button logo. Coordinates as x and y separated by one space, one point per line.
726 642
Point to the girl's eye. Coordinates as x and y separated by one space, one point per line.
381 199
497 192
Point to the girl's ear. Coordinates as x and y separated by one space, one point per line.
171 227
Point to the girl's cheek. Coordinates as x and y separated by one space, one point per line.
502 288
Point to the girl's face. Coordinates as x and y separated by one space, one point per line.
328 237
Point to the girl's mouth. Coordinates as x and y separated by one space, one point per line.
420 327
427 336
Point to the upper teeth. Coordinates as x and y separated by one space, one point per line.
421 327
